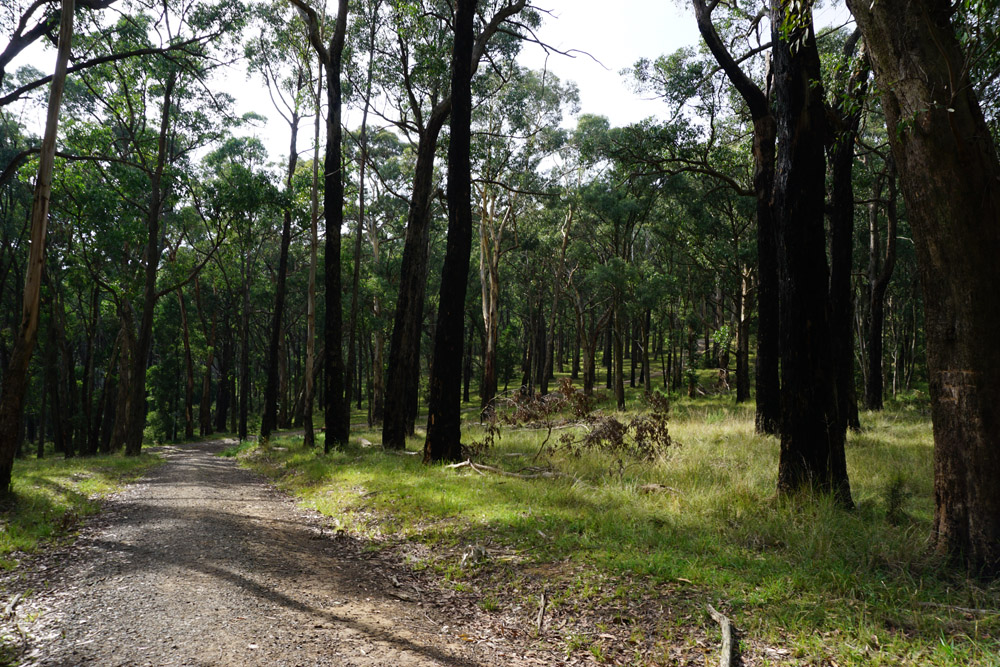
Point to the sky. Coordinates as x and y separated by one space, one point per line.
614 34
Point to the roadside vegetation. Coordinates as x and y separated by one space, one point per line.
805 582
51 495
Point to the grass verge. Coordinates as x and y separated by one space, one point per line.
51 495
806 582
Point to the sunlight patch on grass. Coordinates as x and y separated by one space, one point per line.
861 586
51 495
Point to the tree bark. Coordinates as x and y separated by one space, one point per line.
269 421
444 423
309 391
950 178
812 454
144 341
848 112
767 382
878 279
338 423
404 346
15 379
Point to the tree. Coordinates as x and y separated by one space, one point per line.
764 136
444 421
812 432
14 379
338 423
950 176
288 93
404 347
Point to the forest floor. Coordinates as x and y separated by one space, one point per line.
204 563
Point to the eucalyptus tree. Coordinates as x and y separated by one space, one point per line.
416 83
444 421
813 435
950 176
239 192
15 375
281 55
756 94
516 129
331 57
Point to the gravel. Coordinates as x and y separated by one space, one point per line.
204 563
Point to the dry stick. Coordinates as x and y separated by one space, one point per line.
541 612
479 467
727 659
965 610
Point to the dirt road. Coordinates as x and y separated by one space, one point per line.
203 563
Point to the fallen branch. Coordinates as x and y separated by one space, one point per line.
964 610
479 467
728 658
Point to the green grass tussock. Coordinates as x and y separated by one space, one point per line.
51 495
860 587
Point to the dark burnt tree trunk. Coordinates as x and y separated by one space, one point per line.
848 114
338 423
812 433
444 422
337 410
767 382
404 346
403 378
950 178
269 421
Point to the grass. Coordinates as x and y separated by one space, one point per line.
860 587
51 495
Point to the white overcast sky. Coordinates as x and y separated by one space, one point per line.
615 33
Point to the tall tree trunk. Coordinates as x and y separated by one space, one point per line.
404 346
15 379
337 415
812 434
269 420
224 396
768 416
308 399
144 341
188 370
842 233
878 278
444 423
950 177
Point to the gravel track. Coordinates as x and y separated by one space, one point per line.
204 563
